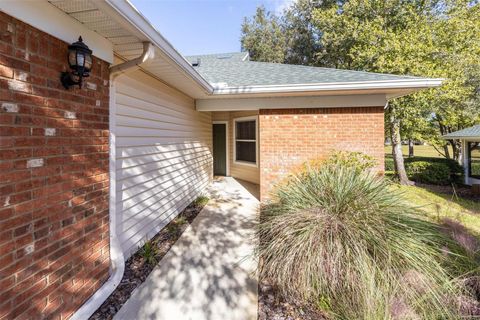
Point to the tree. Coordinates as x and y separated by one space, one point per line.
380 36
301 33
263 37
428 38
458 50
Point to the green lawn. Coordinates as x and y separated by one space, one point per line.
438 206
419 151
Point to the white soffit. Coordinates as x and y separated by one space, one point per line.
41 15
126 29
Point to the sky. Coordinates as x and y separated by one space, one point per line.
203 26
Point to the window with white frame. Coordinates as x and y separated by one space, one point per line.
246 140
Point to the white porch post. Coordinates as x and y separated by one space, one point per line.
465 160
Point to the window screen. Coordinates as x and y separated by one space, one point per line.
474 156
245 141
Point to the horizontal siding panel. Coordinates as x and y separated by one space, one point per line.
156 93
142 184
126 105
154 141
155 157
153 229
129 121
153 132
153 177
156 202
132 223
163 157
139 151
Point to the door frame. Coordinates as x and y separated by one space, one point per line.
227 135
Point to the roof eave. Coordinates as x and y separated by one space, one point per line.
475 138
135 21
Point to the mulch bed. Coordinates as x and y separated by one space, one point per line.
137 269
272 306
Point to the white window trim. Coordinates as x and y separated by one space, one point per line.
245 163
227 156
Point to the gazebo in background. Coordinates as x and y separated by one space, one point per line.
470 139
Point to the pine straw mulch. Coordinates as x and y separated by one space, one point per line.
273 306
137 269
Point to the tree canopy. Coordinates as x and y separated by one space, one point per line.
428 38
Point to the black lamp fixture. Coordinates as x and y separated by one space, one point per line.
80 62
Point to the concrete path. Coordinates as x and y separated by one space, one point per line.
209 273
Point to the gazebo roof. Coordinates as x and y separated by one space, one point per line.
472 133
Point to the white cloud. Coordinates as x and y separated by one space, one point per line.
282 5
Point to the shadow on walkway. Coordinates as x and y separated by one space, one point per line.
210 272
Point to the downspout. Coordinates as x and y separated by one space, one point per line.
117 263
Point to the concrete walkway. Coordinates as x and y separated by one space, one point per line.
209 273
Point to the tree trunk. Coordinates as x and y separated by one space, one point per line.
397 150
455 150
410 148
446 151
443 131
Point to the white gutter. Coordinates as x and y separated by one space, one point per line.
333 86
117 261
147 54
131 19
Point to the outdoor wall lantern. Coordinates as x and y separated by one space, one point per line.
80 62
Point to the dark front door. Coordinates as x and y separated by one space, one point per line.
220 149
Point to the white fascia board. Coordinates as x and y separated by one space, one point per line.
334 86
49 19
133 20
334 101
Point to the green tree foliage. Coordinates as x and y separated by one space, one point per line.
263 37
456 104
428 38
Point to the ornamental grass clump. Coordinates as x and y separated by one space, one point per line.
342 240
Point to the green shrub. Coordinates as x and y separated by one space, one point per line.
149 252
201 201
428 172
421 172
389 165
343 240
357 160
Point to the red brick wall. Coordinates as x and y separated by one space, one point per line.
54 240
289 137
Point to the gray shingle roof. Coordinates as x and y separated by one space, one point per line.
236 70
472 132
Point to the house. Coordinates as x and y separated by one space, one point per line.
87 174
470 140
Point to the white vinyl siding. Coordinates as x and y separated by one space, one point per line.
163 156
